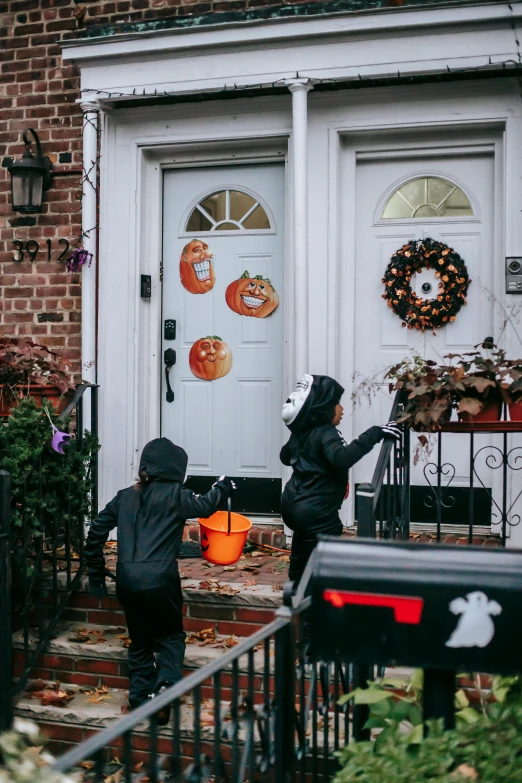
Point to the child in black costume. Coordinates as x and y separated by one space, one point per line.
150 518
320 459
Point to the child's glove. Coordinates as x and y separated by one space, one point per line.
97 586
226 484
392 430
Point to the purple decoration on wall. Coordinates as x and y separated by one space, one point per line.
79 257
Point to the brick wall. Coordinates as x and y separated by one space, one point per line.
37 90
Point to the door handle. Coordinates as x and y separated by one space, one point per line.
169 357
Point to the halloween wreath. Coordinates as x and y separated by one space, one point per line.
416 311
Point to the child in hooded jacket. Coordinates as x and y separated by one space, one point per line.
150 518
321 460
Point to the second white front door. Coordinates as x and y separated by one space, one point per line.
448 197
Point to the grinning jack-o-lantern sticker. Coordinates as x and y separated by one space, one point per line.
255 296
210 358
196 269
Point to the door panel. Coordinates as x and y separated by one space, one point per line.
380 338
232 424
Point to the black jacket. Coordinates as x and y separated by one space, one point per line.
320 458
149 520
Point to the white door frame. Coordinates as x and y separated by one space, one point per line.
367 140
138 397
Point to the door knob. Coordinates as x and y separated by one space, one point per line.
169 357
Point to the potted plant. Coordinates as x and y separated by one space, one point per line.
427 392
28 369
479 390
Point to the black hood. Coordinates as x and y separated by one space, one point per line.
162 460
319 406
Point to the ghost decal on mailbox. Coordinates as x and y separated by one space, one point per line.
475 627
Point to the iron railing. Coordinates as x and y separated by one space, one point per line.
461 478
489 496
261 712
383 505
44 542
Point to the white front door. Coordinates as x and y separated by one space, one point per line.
223 250
450 199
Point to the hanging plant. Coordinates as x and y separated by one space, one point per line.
78 258
415 311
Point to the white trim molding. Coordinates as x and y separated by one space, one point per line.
299 89
90 111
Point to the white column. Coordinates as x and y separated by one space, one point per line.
89 230
299 89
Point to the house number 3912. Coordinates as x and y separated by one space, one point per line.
32 247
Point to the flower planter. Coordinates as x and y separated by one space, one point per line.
515 410
37 391
491 412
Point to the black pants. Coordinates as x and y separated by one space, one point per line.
155 623
306 532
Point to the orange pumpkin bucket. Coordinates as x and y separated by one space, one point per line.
223 536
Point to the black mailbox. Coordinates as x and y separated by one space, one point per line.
443 607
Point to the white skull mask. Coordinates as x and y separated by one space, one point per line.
297 399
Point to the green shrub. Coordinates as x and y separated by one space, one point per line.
485 746
52 493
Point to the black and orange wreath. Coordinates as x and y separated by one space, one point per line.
416 311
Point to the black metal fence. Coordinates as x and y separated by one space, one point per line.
260 712
465 478
42 521
383 505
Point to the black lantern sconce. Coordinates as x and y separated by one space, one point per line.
30 176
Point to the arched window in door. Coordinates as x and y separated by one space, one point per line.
427 197
228 210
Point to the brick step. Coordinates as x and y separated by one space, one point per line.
69 661
234 608
81 718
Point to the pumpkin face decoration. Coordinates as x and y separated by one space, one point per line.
210 358
255 296
195 267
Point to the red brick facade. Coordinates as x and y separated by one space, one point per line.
38 91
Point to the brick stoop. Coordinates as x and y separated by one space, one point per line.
237 612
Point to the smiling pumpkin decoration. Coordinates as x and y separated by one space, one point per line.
255 296
196 269
210 358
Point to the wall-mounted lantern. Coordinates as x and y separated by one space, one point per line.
30 176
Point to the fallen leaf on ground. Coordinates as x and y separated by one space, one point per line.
228 590
114 629
86 764
249 583
86 636
284 559
229 568
257 553
99 697
53 698
125 640
249 568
